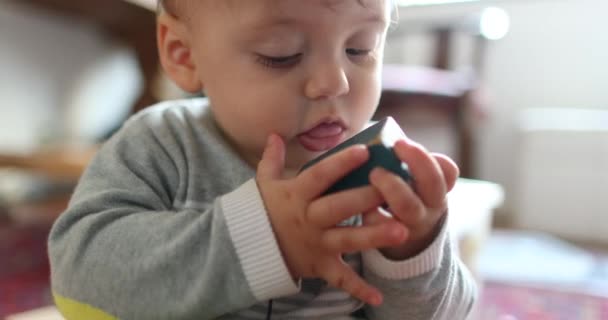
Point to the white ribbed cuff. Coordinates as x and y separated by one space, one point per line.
424 262
255 243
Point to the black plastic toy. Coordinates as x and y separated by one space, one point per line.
380 139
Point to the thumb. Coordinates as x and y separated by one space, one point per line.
272 163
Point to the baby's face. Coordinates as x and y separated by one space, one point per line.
306 70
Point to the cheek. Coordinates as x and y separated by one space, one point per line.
251 114
365 93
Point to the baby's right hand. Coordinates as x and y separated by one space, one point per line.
305 221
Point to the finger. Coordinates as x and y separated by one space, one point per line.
404 204
341 276
332 209
429 180
377 216
318 178
354 239
449 168
272 163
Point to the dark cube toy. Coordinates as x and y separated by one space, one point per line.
379 139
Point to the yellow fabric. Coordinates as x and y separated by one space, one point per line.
74 310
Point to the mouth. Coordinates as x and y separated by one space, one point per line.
323 136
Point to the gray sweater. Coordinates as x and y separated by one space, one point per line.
167 222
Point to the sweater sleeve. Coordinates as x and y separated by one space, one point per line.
432 285
124 248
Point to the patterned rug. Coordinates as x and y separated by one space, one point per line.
24 271
517 302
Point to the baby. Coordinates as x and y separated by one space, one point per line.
195 208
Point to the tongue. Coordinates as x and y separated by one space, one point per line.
324 130
322 137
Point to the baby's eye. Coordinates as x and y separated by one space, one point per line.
358 52
360 55
279 62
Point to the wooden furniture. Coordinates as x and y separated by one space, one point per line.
437 97
61 164
125 21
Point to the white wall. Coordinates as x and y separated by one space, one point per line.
44 59
563 174
554 56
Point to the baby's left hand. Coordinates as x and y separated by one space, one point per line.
421 206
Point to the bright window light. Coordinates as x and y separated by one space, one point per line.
494 24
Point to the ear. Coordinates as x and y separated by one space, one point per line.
175 53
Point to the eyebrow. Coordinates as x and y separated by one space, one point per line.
284 21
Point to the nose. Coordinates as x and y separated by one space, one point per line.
327 80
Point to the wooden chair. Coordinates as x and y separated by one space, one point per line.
435 104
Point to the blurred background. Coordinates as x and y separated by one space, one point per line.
513 90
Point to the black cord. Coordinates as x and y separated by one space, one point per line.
269 312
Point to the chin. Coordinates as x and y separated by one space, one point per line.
299 158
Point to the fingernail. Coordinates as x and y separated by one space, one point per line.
397 232
402 142
274 140
359 148
377 173
359 151
270 140
375 300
